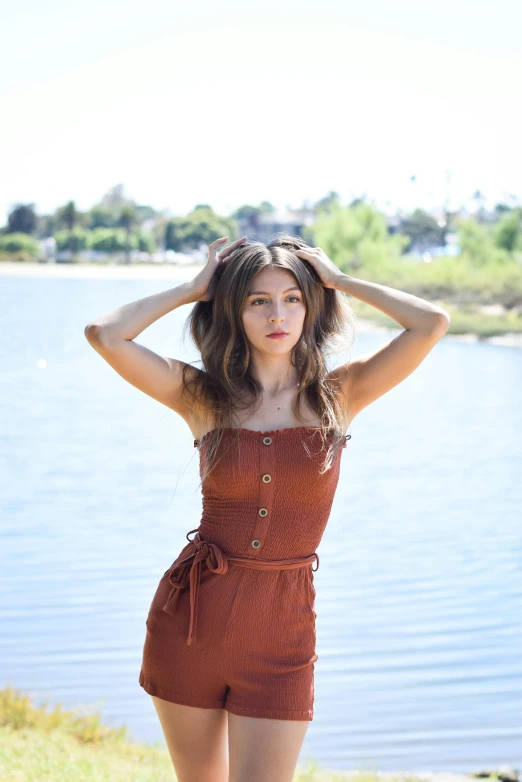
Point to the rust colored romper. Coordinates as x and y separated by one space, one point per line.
244 582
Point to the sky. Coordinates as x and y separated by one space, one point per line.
408 104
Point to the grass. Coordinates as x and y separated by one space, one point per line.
59 745
37 744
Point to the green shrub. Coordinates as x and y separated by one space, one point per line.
21 244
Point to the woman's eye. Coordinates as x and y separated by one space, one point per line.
290 297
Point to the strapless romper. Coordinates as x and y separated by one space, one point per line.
232 623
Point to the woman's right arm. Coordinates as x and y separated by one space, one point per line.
112 335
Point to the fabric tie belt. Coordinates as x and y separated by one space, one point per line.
186 570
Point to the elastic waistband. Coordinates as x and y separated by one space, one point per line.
186 571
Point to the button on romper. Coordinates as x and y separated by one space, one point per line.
232 622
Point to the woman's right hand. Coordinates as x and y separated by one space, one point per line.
204 283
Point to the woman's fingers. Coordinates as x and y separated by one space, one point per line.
220 256
307 251
212 247
235 244
231 247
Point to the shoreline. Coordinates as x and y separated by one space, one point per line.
101 751
183 273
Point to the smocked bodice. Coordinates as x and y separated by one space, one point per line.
265 496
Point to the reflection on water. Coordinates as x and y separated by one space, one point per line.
419 590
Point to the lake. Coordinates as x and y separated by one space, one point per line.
419 589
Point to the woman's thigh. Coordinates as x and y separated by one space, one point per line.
197 740
264 749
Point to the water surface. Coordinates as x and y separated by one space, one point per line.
419 589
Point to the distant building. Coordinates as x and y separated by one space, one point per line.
48 248
262 227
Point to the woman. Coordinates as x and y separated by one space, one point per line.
230 643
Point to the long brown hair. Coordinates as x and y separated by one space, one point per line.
226 385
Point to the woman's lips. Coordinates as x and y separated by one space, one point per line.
277 336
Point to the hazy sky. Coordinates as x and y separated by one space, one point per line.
232 102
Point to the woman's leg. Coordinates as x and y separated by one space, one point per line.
197 740
264 750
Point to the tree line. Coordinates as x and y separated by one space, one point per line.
356 235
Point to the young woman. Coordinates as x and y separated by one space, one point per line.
229 652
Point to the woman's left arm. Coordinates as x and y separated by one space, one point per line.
366 378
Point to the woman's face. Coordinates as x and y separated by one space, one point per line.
274 302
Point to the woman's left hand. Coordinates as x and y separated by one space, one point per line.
325 268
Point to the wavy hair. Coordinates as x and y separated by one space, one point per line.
226 384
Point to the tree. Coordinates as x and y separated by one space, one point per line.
249 216
69 216
356 236
423 230
477 244
22 219
74 241
201 226
24 246
115 198
47 225
247 212
479 199
508 231
127 220
102 217
328 203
